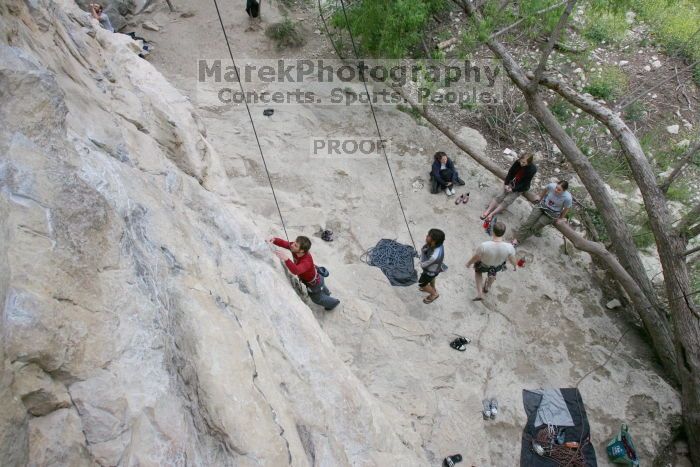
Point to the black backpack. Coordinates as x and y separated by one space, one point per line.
252 7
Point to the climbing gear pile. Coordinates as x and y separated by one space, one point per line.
395 260
549 443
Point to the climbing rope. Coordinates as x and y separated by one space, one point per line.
376 124
250 116
328 33
394 259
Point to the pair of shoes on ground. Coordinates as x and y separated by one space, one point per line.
463 198
450 191
450 461
460 343
490 408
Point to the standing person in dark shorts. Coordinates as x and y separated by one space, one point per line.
431 258
490 257
302 265
516 183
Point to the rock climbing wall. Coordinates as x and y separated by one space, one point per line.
142 322
146 322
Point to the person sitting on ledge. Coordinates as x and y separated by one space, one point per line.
98 13
517 182
443 175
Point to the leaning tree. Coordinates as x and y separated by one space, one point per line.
671 320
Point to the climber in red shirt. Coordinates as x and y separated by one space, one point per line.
302 265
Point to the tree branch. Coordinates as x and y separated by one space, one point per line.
508 28
553 38
679 166
685 226
691 251
640 288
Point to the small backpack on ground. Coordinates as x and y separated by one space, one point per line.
621 448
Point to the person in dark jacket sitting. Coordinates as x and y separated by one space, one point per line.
443 175
517 182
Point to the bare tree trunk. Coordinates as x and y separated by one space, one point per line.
653 317
670 245
680 356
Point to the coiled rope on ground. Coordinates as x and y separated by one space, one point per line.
394 259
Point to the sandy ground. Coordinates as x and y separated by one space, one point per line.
543 326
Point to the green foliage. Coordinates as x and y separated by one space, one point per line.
561 109
665 157
388 28
606 26
608 84
694 273
674 24
642 235
635 112
285 34
597 221
613 167
680 191
410 111
536 24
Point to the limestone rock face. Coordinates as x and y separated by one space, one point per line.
39 392
145 322
141 322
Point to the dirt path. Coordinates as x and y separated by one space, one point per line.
543 326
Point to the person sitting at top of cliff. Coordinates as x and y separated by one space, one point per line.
98 13
517 182
443 175
302 265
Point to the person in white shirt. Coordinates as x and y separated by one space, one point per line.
490 257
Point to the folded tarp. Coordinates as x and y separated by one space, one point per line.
563 409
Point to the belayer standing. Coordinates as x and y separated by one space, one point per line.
490 258
302 265
431 258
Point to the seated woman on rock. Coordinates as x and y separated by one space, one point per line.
443 175
517 182
98 13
